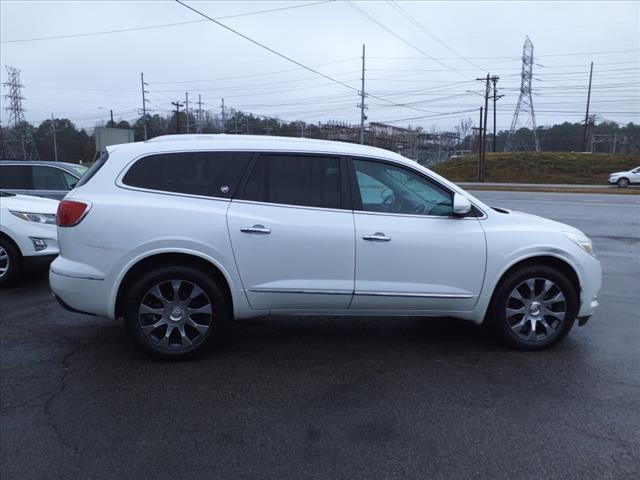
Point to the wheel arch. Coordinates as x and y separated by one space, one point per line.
560 264
624 178
171 258
8 238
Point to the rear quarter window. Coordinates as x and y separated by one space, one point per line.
210 174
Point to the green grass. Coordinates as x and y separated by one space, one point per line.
545 167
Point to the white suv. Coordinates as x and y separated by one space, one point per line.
182 233
623 179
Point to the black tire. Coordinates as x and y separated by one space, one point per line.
139 293
497 313
623 182
13 262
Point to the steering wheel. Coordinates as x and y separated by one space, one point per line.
388 197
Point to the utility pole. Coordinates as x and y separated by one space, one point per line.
586 117
496 97
55 140
224 117
362 104
480 147
144 104
483 124
177 112
199 118
186 108
113 124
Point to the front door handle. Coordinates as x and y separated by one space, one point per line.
377 237
260 229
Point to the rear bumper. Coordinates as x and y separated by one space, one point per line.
80 295
67 307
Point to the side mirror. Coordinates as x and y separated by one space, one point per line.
461 205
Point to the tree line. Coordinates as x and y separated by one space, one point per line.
77 145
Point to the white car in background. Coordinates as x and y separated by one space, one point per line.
624 179
27 233
182 233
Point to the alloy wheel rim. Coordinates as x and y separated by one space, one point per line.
5 262
536 309
175 314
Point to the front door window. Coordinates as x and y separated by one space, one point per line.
391 189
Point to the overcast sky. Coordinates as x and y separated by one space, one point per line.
431 67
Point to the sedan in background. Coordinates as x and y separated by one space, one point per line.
624 179
27 233
42 179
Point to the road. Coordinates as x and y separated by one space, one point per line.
470 185
353 398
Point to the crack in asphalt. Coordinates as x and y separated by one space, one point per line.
66 361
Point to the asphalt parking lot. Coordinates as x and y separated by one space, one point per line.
334 397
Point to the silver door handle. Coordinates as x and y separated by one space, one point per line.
256 229
377 237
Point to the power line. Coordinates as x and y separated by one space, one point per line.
406 42
415 22
162 25
262 45
256 74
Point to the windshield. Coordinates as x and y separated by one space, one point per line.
79 170
6 194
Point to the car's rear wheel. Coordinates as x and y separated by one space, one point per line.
623 182
534 308
10 262
174 311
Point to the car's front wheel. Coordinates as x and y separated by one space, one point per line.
623 182
10 262
174 311
534 308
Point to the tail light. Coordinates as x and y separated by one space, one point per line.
71 212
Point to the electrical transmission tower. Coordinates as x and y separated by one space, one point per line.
524 108
18 141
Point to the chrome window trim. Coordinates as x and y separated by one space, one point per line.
409 215
129 164
172 194
286 205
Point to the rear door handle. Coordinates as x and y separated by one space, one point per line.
260 229
377 237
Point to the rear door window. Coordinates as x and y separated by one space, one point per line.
295 179
15 177
211 174
50 178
